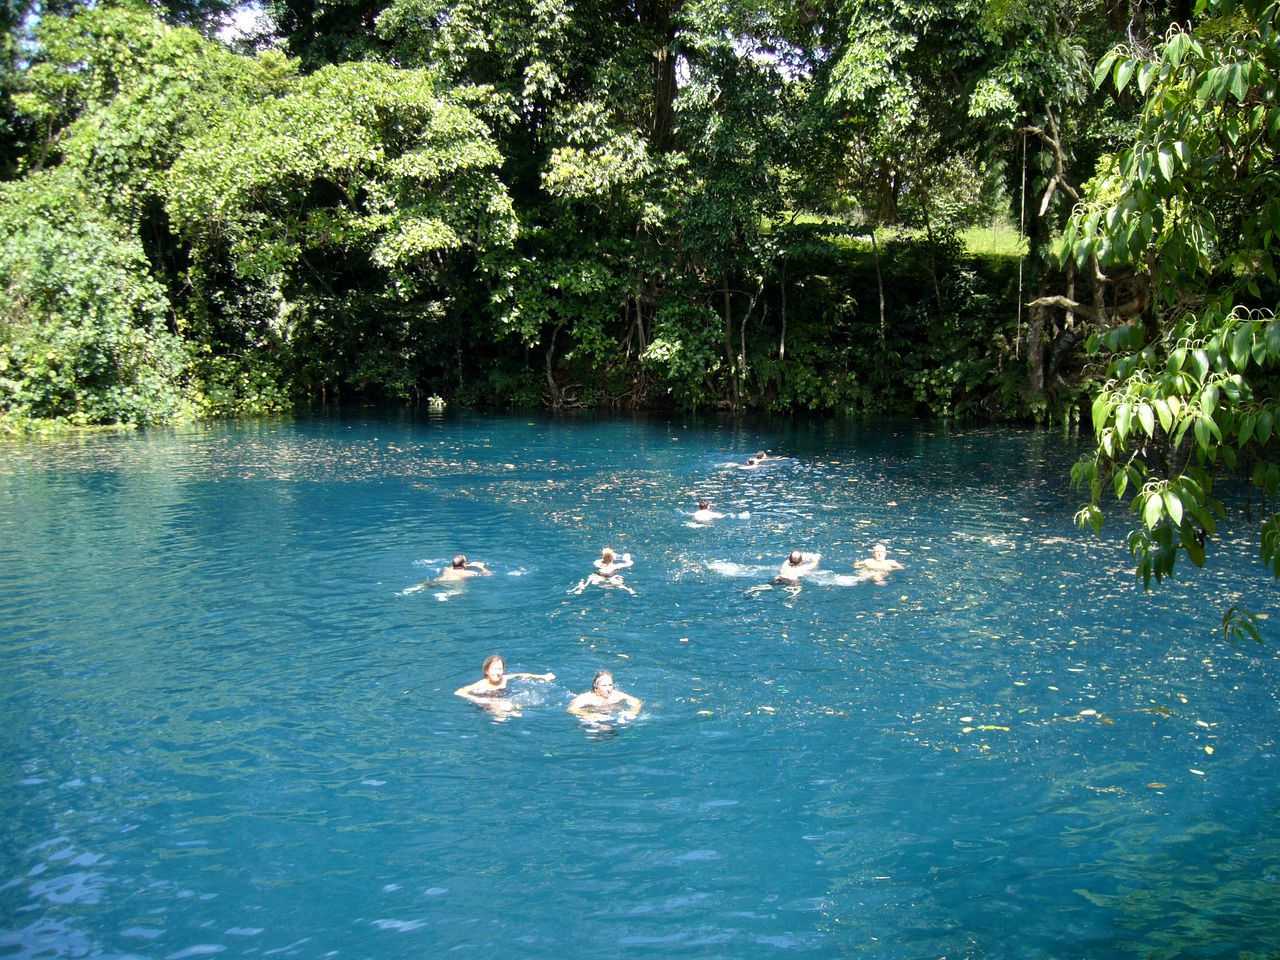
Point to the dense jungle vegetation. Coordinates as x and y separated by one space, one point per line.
748 204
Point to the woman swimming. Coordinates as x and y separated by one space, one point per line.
493 685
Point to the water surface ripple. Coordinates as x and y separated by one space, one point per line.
227 725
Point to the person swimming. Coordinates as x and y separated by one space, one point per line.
461 569
755 460
603 698
877 566
492 687
606 574
796 566
704 513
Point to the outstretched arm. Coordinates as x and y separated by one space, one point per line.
548 677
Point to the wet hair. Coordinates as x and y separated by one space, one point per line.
490 661
759 455
796 558
459 561
607 554
595 681
704 504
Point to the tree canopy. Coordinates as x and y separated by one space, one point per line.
665 203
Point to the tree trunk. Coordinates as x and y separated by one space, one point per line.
875 258
557 399
728 344
1035 351
782 339
933 260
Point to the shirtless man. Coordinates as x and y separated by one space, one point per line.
704 513
460 569
877 566
606 574
796 566
604 699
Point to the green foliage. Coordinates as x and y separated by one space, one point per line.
1193 200
83 332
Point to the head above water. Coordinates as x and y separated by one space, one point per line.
607 555
880 551
602 679
704 504
796 558
496 663
459 562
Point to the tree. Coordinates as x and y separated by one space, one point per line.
1192 207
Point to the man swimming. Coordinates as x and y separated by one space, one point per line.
606 574
877 566
704 513
461 569
603 698
796 566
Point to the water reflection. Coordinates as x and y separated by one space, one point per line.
229 722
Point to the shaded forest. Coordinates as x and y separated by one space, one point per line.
673 204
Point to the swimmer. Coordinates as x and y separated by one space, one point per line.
603 698
493 685
460 569
877 566
606 574
755 460
796 566
704 513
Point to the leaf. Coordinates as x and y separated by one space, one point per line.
1240 346
1239 80
1151 512
1124 415
1101 410
1147 418
1264 426
1200 363
1209 399
1124 70
1164 413
1164 157
1173 506
1247 423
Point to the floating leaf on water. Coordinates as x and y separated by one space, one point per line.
684 639
966 729
705 713
624 656
1088 713
1182 698
1054 689
1201 723
1209 751
1019 683
988 726
966 719
1198 773
1157 786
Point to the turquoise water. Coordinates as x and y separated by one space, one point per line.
227 724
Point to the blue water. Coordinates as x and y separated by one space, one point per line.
227 724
